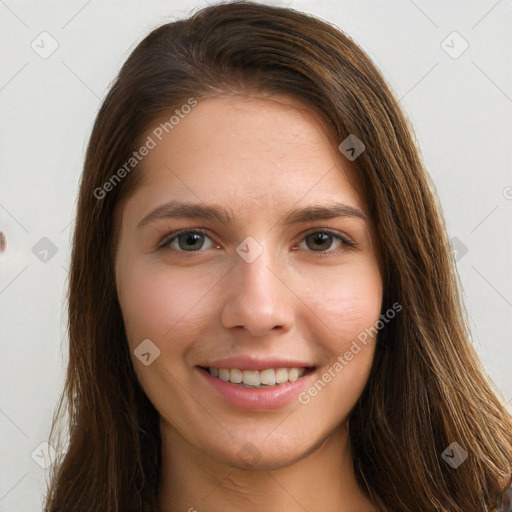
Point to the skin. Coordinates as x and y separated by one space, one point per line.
260 156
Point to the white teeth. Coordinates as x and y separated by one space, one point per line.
281 375
293 374
235 375
255 378
268 377
224 374
251 377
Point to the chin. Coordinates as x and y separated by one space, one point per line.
264 454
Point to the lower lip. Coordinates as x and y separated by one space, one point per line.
272 397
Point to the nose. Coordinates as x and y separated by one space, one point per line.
259 298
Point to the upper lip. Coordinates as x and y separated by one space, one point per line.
252 363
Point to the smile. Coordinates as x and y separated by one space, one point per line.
257 378
269 388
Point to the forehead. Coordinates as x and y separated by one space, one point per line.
252 152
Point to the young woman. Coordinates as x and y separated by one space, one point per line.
264 313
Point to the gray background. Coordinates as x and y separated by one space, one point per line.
460 106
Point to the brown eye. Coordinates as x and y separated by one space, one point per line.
320 241
186 241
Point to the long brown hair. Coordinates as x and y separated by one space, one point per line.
427 388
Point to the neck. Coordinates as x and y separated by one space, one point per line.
322 479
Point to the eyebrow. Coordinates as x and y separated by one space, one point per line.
177 209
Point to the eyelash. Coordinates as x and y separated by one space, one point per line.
165 243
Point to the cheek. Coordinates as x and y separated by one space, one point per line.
347 305
347 301
160 303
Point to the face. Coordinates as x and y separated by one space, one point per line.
248 254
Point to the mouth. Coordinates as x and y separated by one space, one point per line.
258 379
